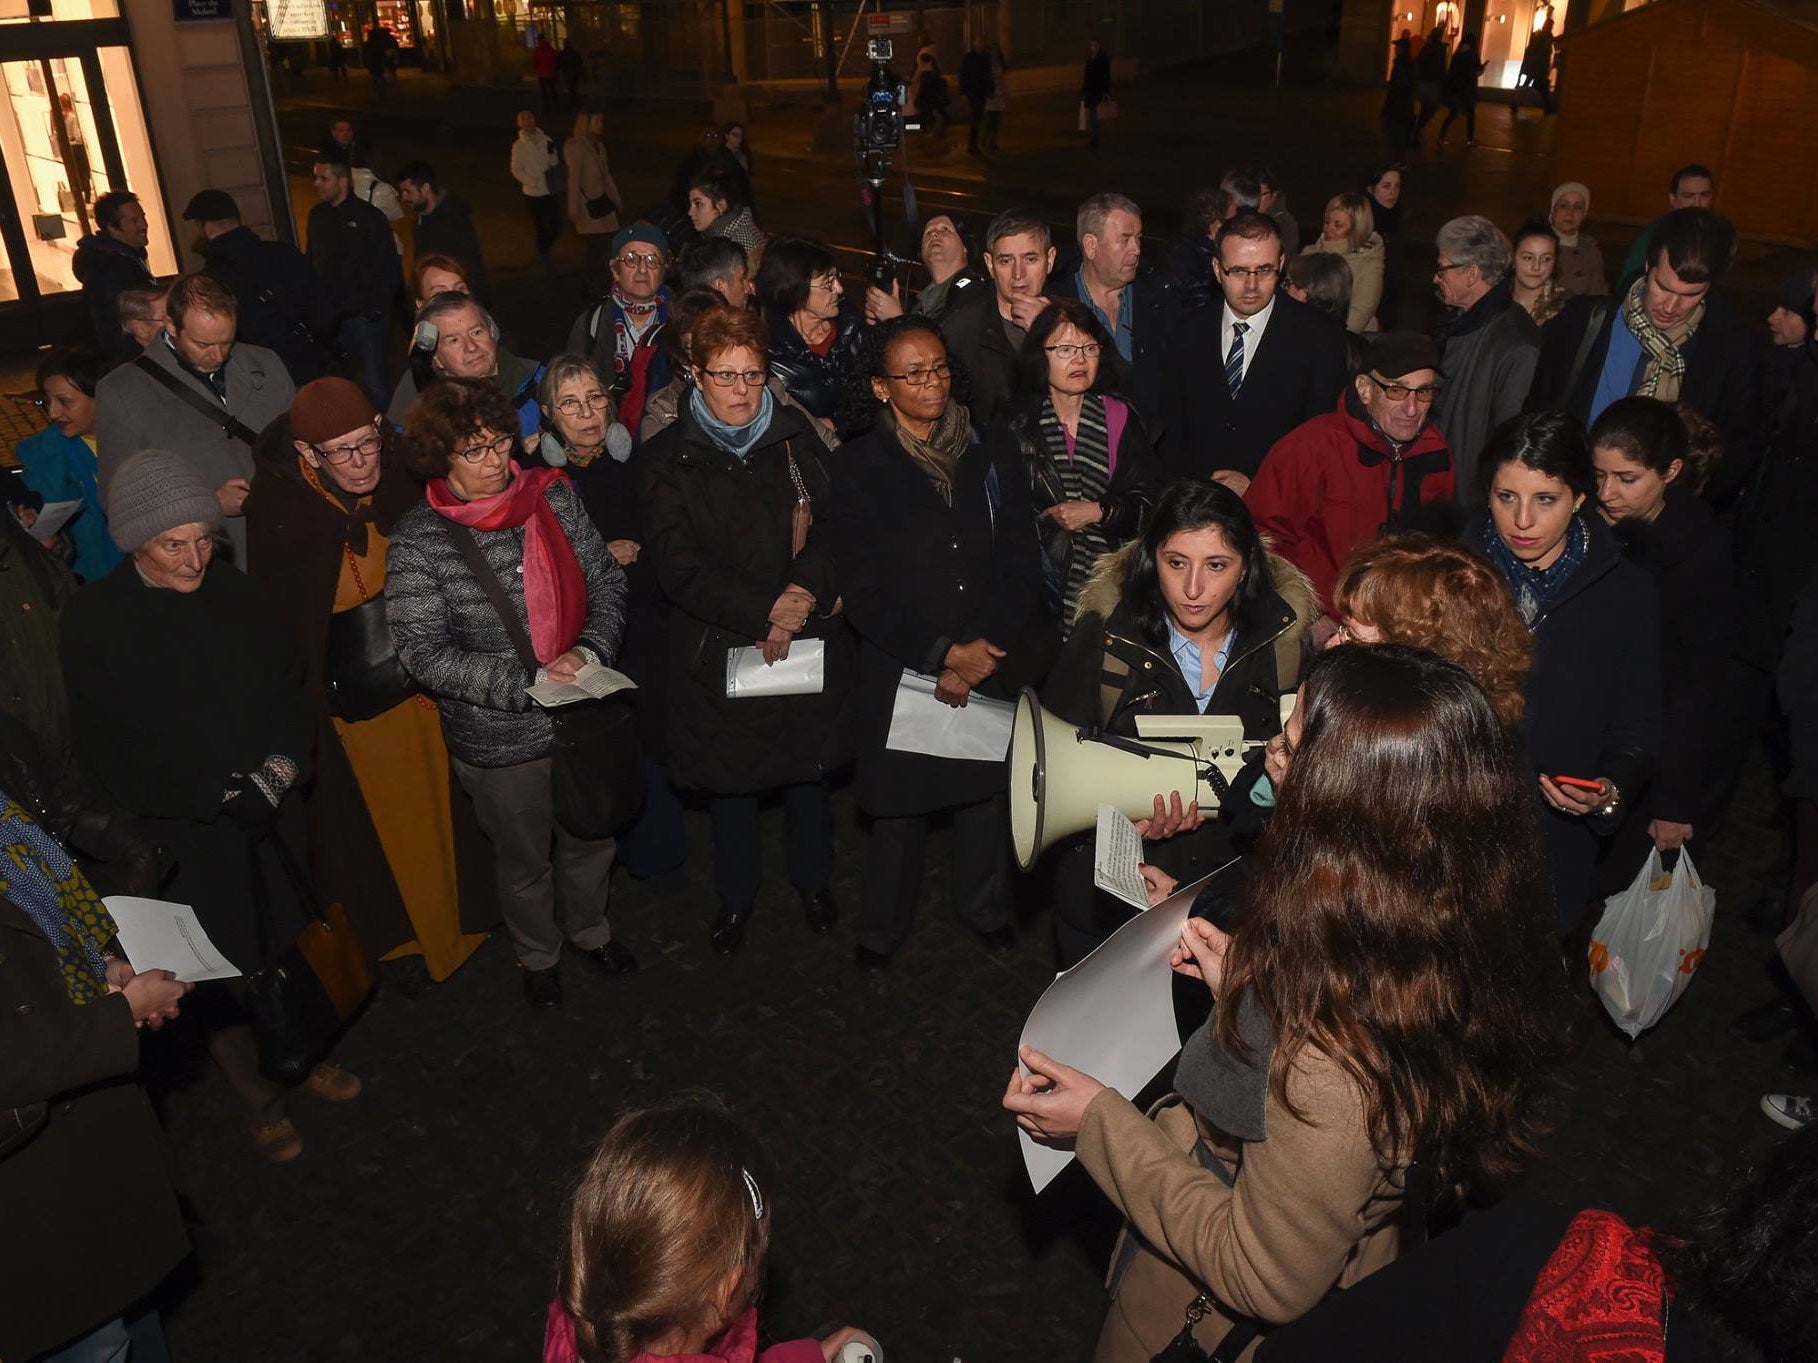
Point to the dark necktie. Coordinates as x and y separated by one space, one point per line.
1234 362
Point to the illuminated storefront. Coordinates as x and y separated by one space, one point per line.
1506 31
147 95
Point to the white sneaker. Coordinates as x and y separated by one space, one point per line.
1791 1110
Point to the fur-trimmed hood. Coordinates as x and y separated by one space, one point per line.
1104 590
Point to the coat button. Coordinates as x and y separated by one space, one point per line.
1147 664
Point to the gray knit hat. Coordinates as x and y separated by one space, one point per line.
155 491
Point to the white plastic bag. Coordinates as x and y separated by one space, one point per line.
1650 941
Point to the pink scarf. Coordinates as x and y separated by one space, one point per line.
555 593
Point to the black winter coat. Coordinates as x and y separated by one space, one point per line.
448 230
105 266
283 304
919 576
609 492
354 252
170 695
1136 484
1108 674
1776 553
91 1222
1154 318
974 330
1722 379
818 382
1687 553
1295 375
718 533
1593 705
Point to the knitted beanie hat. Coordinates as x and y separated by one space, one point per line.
326 409
155 491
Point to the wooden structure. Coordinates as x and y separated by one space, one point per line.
1731 84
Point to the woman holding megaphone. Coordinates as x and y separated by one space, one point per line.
1196 617
1385 1025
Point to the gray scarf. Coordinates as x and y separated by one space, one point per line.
1228 1092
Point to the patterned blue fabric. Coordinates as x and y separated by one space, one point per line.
1234 362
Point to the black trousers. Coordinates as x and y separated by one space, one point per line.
546 216
807 842
978 118
896 853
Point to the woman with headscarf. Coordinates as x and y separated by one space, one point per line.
392 837
1580 264
188 707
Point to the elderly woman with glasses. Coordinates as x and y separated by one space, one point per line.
489 529
935 538
392 837
734 496
815 332
1084 452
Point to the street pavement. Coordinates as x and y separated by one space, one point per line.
423 1220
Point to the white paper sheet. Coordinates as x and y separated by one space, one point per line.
157 935
802 673
978 731
1112 1015
592 682
1117 855
53 518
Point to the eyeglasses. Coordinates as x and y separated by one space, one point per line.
1441 269
1067 350
365 447
1250 273
497 448
646 261
921 378
726 378
826 283
581 406
1395 392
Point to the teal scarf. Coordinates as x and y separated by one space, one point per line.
735 440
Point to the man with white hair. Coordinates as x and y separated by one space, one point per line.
459 339
1487 344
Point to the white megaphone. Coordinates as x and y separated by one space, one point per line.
1061 773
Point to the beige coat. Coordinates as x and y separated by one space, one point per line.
1310 1208
1366 277
1579 268
589 177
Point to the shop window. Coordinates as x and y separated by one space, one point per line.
55 11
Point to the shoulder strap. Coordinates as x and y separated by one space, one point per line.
1593 325
216 413
495 592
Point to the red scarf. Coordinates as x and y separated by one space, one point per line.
555 593
1600 1299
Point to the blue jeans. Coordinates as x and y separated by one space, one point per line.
363 341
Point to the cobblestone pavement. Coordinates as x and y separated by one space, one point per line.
423 1219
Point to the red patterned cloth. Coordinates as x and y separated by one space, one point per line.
1601 1298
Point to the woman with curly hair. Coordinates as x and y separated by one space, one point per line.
1414 589
527 530
1356 1037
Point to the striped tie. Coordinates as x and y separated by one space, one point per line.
1234 362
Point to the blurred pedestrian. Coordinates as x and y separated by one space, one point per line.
534 165
593 196
543 61
571 70
1094 88
283 305
1397 117
1461 90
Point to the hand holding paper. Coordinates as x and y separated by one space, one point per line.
1201 953
1117 855
591 682
158 936
1051 1100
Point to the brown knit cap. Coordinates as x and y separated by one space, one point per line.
325 409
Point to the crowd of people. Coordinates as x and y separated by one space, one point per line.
1528 585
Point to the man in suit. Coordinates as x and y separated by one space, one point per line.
1137 309
985 327
1666 336
1249 369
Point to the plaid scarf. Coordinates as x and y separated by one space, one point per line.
39 877
624 339
1664 371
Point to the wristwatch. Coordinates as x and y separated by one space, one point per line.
1608 807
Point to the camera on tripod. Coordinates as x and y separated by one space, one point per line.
881 121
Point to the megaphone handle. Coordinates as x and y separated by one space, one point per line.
1215 778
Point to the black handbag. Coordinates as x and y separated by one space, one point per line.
596 768
601 206
301 1001
361 670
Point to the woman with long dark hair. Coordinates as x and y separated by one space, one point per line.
1593 698
1357 1032
934 539
1085 452
1196 617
